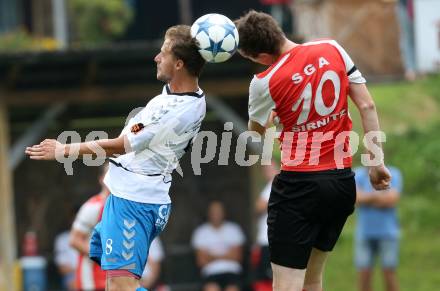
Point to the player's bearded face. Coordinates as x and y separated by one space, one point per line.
165 61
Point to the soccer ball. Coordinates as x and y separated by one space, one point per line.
217 37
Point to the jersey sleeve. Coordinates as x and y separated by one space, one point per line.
260 104
87 217
354 75
166 124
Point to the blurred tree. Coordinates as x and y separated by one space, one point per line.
20 40
98 21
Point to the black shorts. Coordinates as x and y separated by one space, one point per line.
223 280
308 210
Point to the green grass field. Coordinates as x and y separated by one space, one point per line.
409 115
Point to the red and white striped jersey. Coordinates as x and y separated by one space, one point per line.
307 88
89 275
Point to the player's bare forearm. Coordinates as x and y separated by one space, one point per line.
365 104
110 147
51 149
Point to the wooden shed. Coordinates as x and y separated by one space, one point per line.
367 29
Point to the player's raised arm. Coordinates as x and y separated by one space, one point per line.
50 149
379 175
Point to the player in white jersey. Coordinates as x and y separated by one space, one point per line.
149 148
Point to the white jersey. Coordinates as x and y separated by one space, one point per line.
158 136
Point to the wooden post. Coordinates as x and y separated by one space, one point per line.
185 11
7 218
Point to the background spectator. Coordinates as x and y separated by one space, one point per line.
377 231
218 245
66 259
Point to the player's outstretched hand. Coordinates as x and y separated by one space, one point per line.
48 149
380 177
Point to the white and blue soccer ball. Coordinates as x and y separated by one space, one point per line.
217 37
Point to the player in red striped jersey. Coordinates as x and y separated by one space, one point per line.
89 275
306 88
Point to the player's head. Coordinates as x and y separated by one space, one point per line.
216 213
178 54
261 38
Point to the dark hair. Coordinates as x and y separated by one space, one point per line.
259 33
184 47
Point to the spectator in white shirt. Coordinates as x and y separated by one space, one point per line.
219 250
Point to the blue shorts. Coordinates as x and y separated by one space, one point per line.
122 239
368 249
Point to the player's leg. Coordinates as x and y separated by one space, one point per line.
287 279
128 229
292 228
315 269
389 252
337 192
364 254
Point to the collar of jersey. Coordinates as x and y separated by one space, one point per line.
198 94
